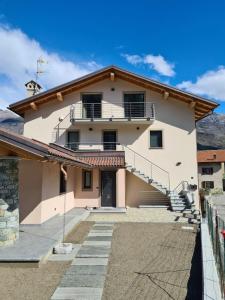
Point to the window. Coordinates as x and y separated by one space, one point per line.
156 139
207 171
92 105
134 105
109 140
73 139
208 185
62 184
87 180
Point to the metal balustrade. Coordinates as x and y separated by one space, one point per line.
112 111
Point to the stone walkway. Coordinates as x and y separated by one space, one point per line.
86 276
36 242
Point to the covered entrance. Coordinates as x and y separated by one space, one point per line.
108 188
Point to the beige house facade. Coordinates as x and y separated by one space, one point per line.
211 170
136 136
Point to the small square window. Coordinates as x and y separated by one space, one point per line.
208 185
62 184
156 139
87 180
207 171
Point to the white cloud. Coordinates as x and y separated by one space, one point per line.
18 56
210 84
155 62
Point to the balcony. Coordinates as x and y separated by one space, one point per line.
136 112
94 147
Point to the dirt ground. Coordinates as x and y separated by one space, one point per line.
154 261
26 283
31 283
79 233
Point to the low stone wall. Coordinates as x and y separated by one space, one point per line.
9 186
9 224
9 200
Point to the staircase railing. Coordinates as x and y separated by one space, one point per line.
182 186
146 167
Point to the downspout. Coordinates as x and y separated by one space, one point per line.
64 214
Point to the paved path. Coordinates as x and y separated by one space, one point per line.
36 242
86 276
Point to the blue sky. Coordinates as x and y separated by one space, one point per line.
177 42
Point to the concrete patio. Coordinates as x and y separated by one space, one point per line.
36 242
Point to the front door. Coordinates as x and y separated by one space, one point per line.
108 188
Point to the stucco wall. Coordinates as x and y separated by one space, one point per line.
52 200
30 189
217 175
140 193
90 198
174 118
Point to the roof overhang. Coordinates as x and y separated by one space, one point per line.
201 106
25 148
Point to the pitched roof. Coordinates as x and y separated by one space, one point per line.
97 158
209 156
201 105
18 143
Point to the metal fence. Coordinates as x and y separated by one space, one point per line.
216 227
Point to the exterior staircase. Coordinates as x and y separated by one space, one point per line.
180 199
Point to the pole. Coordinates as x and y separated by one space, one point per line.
64 214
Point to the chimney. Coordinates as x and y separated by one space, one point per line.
32 88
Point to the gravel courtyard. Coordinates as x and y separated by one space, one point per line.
154 261
162 215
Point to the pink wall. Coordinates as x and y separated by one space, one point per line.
90 198
30 188
121 188
52 202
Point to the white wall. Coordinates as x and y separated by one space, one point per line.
217 175
175 118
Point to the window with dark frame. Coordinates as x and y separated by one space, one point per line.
73 139
62 184
87 180
92 105
208 185
207 171
134 105
156 139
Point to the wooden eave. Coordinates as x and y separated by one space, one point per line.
202 107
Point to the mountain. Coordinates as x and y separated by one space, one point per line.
210 130
11 121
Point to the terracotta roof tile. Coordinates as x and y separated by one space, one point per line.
103 161
37 147
208 156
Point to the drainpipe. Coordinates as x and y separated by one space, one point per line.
64 215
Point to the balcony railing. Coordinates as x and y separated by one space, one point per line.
113 111
104 146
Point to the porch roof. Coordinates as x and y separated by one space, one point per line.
24 147
97 158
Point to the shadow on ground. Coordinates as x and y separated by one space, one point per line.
194 286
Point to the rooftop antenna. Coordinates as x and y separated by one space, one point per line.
39 71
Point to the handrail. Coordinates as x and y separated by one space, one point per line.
151 165
181 183
146 159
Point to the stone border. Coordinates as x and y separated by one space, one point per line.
211 283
